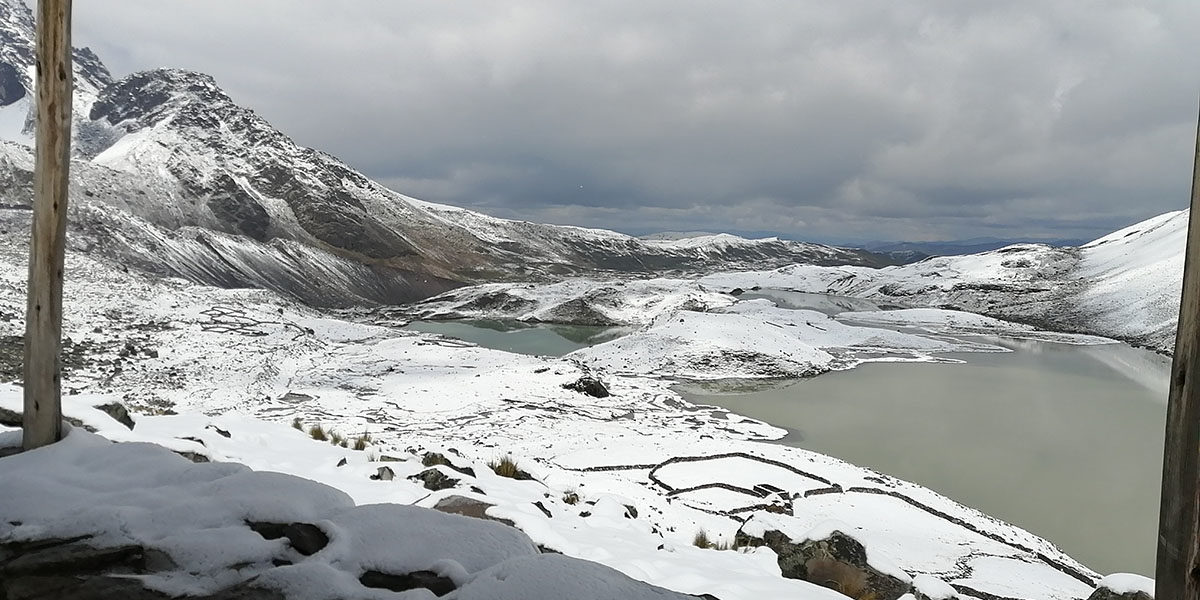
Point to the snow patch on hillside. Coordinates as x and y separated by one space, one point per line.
1125 285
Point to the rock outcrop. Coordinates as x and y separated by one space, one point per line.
838 562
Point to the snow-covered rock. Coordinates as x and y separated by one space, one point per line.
207 521
573 301
1124 586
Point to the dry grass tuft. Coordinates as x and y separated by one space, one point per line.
505 467
362 441
317 432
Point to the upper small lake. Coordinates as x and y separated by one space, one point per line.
540 339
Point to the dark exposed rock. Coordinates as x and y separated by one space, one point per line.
431 459
75 587
195 457
270 531
434 480
11 87
246 590
77 557
838 562
384 474
736 292
342 463
307 539
220 432
439 585
232 205
117 411
590 386
10 418
467 507
1104 593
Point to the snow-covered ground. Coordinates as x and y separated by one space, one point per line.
690 331
626 481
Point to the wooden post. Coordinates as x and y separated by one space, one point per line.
1177 573
43 315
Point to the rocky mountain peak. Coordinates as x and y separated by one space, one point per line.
147 98
18 68
17 33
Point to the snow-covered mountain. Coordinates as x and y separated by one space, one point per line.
1124 285
176 177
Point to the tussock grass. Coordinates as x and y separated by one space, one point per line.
336 439
703 541
297 424
317 432
361 442
505 467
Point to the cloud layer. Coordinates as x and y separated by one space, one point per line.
839 121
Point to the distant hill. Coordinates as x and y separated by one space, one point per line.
909 252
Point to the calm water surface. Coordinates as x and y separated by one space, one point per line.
1065 441
522 338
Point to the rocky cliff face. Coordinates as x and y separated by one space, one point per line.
174 176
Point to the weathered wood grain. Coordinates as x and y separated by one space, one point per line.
1178 570
43 317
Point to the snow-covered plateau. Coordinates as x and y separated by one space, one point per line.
1125 285
621 484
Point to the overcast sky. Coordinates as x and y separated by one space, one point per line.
814 119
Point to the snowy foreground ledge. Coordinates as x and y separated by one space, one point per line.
205 529
208 528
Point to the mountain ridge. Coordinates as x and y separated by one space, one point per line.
201 187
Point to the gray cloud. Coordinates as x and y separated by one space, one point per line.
929 119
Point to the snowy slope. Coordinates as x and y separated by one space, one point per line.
1134 277
1125 285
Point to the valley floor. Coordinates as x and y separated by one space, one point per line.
627 480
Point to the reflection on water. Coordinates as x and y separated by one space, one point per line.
828 304
522 338
1065 441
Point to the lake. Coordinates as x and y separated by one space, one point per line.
541 339
1062 440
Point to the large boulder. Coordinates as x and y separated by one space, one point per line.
434 480
588 385
118 412
1124 586
836 561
